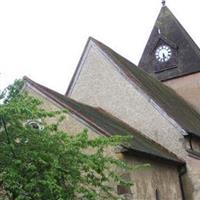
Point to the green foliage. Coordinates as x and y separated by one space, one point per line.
49 164
12 91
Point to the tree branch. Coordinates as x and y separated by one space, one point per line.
7 137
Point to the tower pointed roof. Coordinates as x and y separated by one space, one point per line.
185 53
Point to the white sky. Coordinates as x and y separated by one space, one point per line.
44 39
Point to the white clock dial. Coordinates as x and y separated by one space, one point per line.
163 53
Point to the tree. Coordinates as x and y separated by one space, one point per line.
48 163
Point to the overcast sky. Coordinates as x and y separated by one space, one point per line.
44 39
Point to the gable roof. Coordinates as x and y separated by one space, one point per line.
166 98
188 53
107 124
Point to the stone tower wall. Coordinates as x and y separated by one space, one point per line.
188 87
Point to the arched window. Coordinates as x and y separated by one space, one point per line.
35 124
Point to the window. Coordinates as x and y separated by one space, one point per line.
157 195
35 124
124 191
193 147
121 190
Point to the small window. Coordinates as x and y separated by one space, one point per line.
121 190
34 124
195 143
124 191
193 147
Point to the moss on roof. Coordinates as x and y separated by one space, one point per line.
166 98
103 121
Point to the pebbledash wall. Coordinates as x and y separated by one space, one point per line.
188 87
162 178
99 83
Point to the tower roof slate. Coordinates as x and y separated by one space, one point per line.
188 53
107 124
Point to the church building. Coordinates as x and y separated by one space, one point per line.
157 102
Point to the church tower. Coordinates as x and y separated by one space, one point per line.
173 57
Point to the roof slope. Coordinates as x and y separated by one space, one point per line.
109 125
166 98
188 56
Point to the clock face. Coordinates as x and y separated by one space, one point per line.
163 53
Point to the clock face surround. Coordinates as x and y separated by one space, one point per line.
163 53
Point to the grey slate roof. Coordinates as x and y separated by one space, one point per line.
166 98
188 53
107 124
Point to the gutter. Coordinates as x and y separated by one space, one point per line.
182 171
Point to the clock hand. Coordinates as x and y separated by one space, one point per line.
164 56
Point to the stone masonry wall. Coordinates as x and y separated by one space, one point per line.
188 87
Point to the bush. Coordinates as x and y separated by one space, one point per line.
48 163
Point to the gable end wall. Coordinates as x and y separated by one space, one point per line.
100 84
